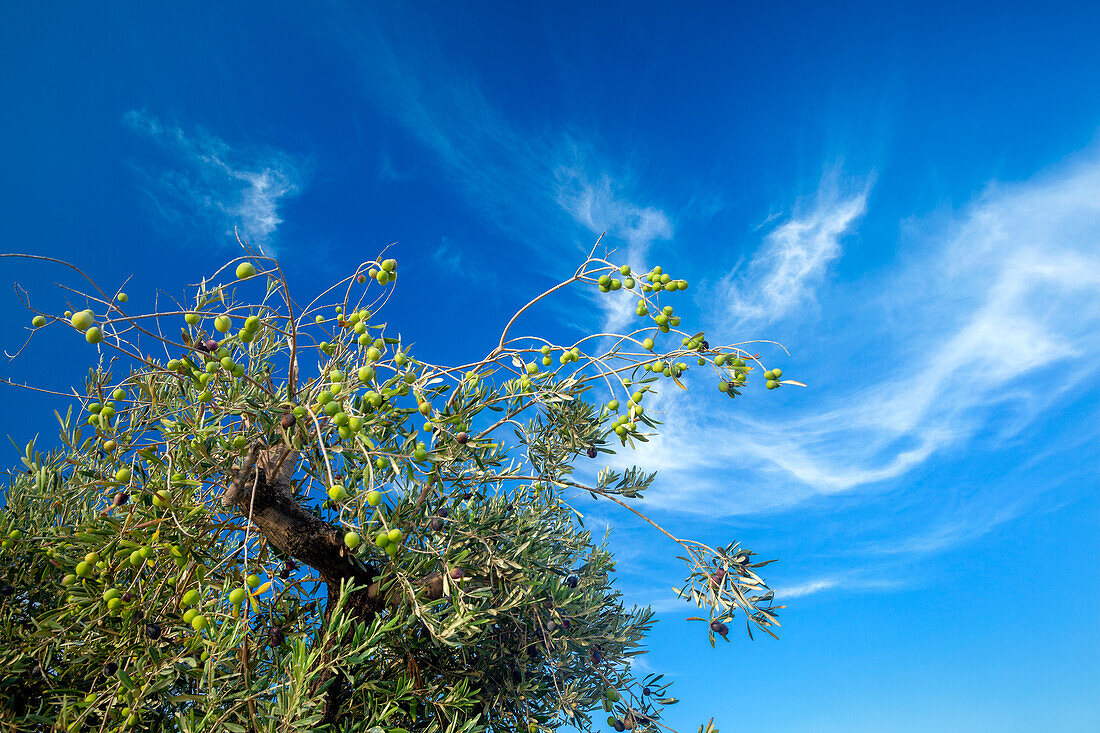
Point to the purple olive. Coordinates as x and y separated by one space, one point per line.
458 573
718 627
592 452
152 631
289 420
571 581
120 498
462 438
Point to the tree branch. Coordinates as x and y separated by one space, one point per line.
291 529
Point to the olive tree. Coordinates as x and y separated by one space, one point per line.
266 514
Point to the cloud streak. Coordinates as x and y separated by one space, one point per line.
794 257
226 187
550 190
992 317
600 206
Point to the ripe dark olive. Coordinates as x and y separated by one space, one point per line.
120 498
289 420
572 581
6 590
466 494
706 345
436 524
109 669
276 636
717 578
152 631
592 452
718 627
211 346
645 691
462 438
458 573
619 725
444 512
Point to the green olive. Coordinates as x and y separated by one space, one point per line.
82 320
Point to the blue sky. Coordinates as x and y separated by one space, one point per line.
905 195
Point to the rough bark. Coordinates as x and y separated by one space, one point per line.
262 490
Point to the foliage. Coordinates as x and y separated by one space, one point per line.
236 537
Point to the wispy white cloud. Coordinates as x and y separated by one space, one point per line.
807 588
843 582
446 255
602 206
225 186
549 189
794 257
993 317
